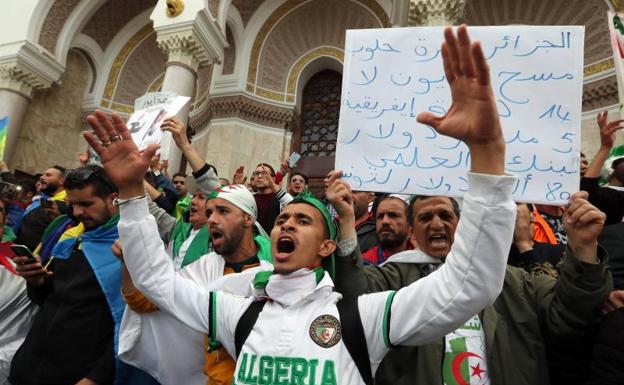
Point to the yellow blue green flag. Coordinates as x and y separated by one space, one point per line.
4 127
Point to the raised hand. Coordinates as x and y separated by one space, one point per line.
583 222
239 176
522 237
122 160
178 131
472 117
339 195
608 129
83 157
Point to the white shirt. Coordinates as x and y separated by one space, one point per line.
284 343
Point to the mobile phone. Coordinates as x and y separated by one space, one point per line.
293 159
23 251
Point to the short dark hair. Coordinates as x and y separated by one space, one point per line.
60 168
415 198
183 175
91 175
305 178
380 199
267 165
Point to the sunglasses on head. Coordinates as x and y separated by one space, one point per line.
83 174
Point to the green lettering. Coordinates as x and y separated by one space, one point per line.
281 370
298 371
242 368
313 365
251 379
265 375
329 374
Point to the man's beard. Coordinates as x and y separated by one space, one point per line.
50 189
392 241
231 243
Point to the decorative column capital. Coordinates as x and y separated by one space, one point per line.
26 67
195 43
434 12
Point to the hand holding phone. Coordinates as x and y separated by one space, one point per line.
29 267
293 159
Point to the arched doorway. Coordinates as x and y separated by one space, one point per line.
317 132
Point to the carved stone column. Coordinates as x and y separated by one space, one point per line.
434 12
25 70
189 45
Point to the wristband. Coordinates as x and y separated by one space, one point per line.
119 202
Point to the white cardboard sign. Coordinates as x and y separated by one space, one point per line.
390 75
144 124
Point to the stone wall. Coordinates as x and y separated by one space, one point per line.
228 144
51 131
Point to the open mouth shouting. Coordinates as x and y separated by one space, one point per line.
217 237
286 245
438 241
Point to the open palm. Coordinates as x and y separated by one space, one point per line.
122 160
472 117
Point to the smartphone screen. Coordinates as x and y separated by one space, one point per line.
23 251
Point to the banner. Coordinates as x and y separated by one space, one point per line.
390 75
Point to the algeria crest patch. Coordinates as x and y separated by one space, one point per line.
325 331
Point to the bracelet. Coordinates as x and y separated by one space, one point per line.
118 202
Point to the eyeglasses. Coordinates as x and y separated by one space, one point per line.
83 174
259 173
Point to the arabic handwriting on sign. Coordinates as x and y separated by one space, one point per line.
399 82
566 137
368 78
427 83
381 133
545 44
537 77
506 39
394 108
517 160
518 138
371 51
556 192
422 52
556 109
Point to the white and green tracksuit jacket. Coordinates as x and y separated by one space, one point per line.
297 337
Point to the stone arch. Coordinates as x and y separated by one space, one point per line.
308 65
298 26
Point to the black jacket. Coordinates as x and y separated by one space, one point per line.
72 336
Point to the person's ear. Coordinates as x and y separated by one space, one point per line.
248 220
327 248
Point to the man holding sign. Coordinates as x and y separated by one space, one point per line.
309 342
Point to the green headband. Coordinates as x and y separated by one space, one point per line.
307 197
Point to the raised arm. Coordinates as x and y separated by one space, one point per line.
473 275
607 139
149 266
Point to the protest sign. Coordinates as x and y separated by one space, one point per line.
144 124
390 75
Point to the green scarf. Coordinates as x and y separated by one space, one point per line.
9 235
332 230
182 205
198 246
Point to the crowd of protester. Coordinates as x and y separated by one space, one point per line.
139 277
